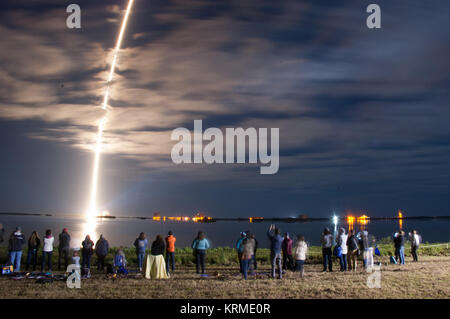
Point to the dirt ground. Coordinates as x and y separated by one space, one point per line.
429 278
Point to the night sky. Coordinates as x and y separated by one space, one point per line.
364 114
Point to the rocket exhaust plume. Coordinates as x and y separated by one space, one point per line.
92 211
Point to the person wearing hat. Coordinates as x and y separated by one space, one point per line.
15 245
239 249
64 248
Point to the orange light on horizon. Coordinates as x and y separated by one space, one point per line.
400 219
363 220
351 222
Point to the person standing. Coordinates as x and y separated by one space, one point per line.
200 245
15 245
101 250
255 265
170 251
300 250
415 242
64 248
2 233
47 250
341 241
353 250
248 247
34 242
367 250
288 261
86 251
141 244
327 241
275 249
399 243
239 249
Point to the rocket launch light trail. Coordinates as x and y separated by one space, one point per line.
92 211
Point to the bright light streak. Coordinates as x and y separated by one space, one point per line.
92 210
335 220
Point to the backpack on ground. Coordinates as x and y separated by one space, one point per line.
7 270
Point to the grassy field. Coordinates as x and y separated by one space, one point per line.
429 278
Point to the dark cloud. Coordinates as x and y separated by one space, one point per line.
362 113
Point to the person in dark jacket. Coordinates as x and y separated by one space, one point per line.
399 244
64 248
275 249
158 246
87 251
34 242
288 261
353 250
15 246
255 266
2 233
101 250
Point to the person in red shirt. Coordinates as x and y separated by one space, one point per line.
170 251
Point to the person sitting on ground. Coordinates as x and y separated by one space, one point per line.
288 261
275 249
120 262
34 242
15 246
300 250
64 248
327 241
101 250
87 251
47 250
141 244
200 245
170 251
341 241
156 266
414 238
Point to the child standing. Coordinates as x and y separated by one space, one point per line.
76 257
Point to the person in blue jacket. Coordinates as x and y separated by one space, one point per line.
276 241
200 245
141 244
